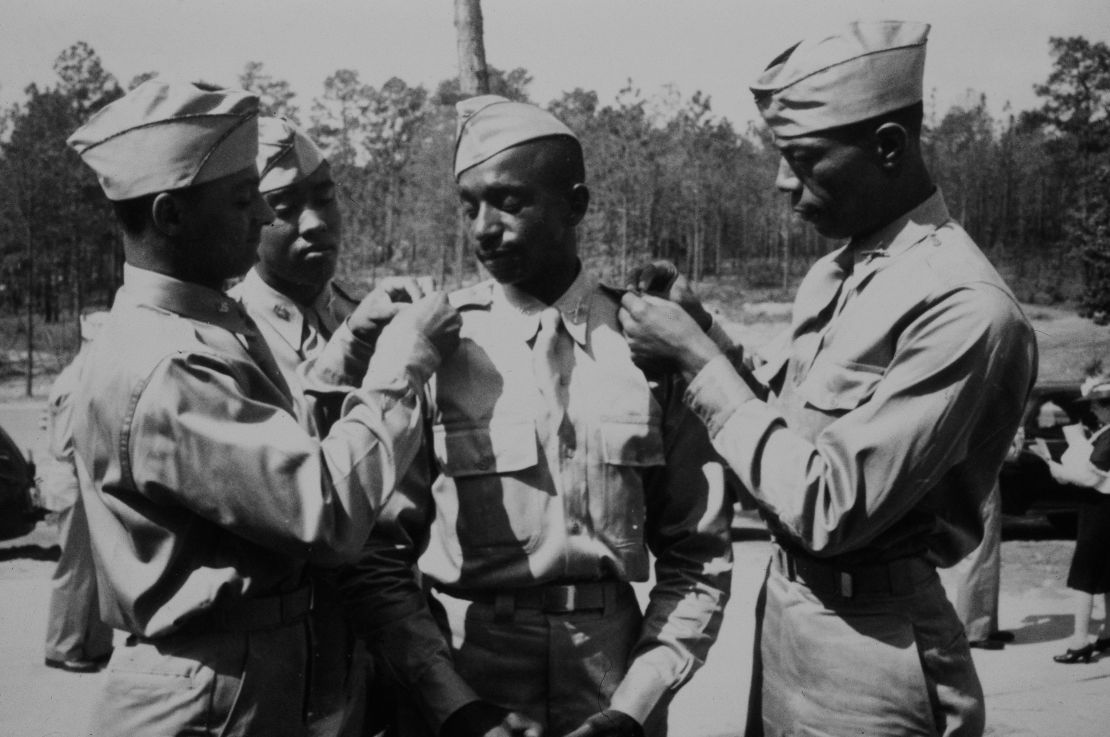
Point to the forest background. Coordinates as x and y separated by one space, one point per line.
669 178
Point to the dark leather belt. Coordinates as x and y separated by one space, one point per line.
898 577
264 612
550 598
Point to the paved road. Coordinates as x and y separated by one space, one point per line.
1027 694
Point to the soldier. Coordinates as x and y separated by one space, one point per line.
76 640
554 467
872 444
293 297
206 499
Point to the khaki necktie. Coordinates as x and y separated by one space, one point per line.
549 366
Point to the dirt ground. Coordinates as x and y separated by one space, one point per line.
1027 694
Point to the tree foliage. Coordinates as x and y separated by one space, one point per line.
669 178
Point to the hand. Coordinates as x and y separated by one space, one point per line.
661 279
483 719
405 288
659 330
435 318
609 723
379 307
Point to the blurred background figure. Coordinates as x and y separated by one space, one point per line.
76 639
1086 462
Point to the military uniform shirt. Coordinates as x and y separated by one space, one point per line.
200 485
513 497
906 374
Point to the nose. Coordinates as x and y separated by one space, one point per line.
263 213
312 221
486 223
785 179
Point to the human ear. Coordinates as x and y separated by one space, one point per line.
166 213
579 198
891 141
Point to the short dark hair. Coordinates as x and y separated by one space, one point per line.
135 214
563 159
910 117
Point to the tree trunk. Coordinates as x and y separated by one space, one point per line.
473 74
473 80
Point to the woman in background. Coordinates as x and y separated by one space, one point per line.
1086 462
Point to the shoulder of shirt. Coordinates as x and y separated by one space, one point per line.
352 292
476 297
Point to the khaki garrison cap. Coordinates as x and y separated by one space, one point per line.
161 136
490 124
285 154
866 69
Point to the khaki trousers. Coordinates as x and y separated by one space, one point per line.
73 627
875 666
555 668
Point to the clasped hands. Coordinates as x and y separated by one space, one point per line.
664 322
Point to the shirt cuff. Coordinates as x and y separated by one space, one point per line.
341 364
716 393
651 675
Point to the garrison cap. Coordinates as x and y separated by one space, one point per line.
866 69
490 124
285 154
163 136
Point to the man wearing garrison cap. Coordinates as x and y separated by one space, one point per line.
555 469
206 499
873 440
298 306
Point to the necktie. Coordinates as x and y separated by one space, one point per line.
549 368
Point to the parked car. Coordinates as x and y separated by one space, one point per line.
1026 484
17 482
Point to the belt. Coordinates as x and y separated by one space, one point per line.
898 577
549 598
260 613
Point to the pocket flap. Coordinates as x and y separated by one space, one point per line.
634 443
839 387
496 448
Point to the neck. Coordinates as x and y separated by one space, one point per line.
303 294
158 256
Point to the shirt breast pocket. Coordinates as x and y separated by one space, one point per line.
493 469
629 450
835 387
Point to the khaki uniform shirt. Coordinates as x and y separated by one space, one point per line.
505 502
200 485
894 404
59 481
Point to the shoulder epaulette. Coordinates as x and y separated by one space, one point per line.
477 296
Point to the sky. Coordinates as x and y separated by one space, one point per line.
996 47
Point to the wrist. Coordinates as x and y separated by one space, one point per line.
699 352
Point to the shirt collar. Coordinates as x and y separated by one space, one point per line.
196 302
520 312
268 304
897 237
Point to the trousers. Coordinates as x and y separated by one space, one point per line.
870 666
73 627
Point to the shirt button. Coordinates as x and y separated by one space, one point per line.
575 528
568 452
